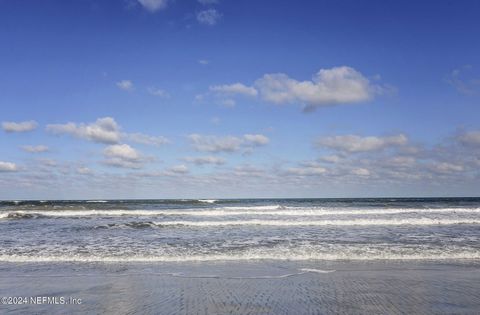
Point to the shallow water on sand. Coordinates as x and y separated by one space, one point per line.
266 287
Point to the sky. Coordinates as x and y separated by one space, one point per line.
239 99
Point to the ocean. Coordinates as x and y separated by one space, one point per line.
240 230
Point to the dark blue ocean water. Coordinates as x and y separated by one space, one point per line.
206 230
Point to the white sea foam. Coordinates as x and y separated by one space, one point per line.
316 270
362 222
293 256
311 212
254 208
207 200
80 213
220 212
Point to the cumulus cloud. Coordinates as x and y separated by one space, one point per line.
234 89
339 85
178 169
227 143
355 143
208 17
123 155
225 94
203 160
256 139
24 126
8 167
123 151
125 85
35 148
334 86
154 5
103 130
146 139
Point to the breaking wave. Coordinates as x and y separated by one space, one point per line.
420 221
207 200
291 255
231 211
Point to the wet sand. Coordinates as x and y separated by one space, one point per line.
266 287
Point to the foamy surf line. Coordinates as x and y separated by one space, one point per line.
207 200
220 213
240 258
392 222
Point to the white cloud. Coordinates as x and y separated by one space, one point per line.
339 85
224 93
104 130
123 151
204 62
470 138
178 169
154 5
354 143
158 92
203 160
24 126
249 171
256 139
8 167
227 143
234 89
208 17
35 148
214 143
125 85
401 161
123 155
360 171
307 171
445 167
84 171
146 139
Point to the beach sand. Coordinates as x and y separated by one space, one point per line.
264 287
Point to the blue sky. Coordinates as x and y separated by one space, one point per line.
204 98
